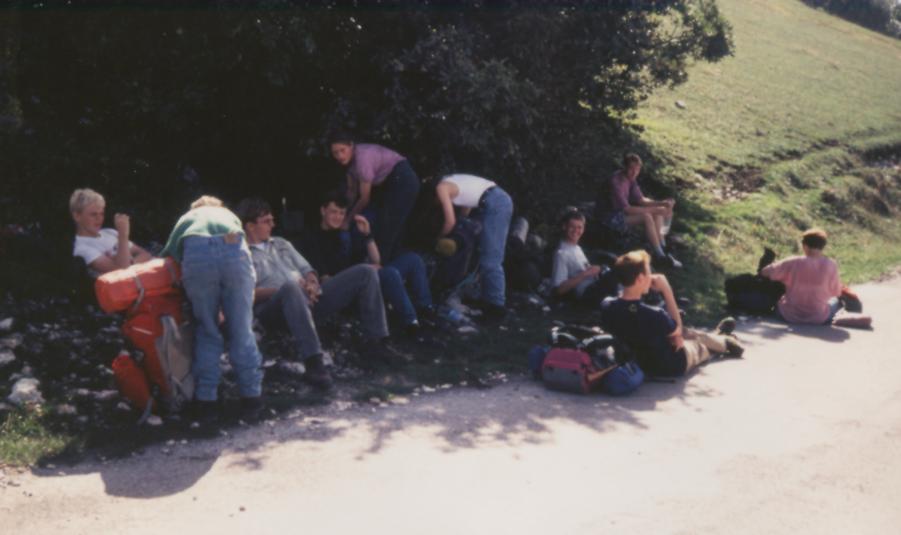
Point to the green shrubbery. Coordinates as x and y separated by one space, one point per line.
138 102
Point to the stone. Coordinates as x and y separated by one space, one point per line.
26 391
6 324
6 357
105 395
66 410
12 341
681 104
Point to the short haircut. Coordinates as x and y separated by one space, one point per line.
340 136
206 200
630 265
249 210
334 196
571 213
82 198
630 159
814 238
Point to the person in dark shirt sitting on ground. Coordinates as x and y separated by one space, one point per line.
331 249
662 346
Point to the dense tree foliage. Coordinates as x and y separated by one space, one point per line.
153 104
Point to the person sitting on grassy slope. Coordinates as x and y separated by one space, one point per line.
622 204
572 276
662 346
102 249
812 285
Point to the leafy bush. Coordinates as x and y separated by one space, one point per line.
880 15
152 105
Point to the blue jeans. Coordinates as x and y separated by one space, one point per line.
835 304
406 268
494 212
392 203
218 275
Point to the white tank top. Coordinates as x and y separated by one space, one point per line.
470 188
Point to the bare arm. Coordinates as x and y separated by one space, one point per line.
139 255
262 294
372 249
659 283
445 194
570 283
123 252
365 194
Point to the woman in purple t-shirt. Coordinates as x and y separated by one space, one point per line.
622 204
381 185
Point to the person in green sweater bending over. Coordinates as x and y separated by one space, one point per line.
217 274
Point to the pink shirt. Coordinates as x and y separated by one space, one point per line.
810 282
373 163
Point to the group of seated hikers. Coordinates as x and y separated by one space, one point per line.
234 270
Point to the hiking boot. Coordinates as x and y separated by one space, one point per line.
316 373
206 413
251 409
726 325
733 348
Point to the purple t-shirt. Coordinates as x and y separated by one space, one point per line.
623 192
372 163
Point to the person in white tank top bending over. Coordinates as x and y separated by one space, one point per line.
493 208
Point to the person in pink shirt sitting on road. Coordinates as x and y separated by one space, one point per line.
812 285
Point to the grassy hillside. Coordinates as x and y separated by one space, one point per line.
801 127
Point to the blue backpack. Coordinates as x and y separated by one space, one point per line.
622 380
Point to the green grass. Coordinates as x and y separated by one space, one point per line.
785 128
25 438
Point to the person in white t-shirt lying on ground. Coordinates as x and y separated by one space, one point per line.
103 249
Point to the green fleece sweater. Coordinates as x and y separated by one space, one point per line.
204 221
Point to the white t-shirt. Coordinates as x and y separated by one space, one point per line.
91 249
470 188
569 261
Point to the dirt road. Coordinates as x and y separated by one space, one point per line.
802 436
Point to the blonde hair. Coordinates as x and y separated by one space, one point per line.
630 265
206 200
82 198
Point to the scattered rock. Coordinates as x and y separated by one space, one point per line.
105 395
12 341
26 391
6 357
6 324
154 421
681 104
66 410
467 329
293 367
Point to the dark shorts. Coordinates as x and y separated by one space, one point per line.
615 221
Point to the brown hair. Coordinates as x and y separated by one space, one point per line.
630 159
630 265
814 238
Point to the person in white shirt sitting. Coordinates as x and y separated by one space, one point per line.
102 249
573 277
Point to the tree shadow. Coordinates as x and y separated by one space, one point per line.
521 412
774 329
